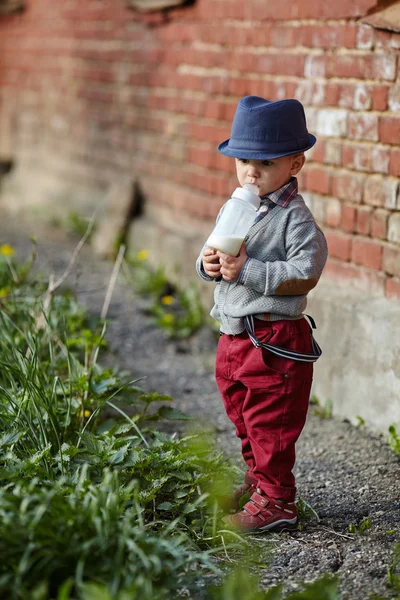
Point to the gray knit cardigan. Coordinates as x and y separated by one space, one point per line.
287 252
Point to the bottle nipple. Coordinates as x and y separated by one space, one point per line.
251 187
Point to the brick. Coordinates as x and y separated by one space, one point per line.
382 39
362 158
206 133
381 191
333 212
380 158
365 37
356 157
332 94
393 288
346 97
275 64
201 157
349 65
389 130
339 244
394 98
362 97
350 35
380 96
317 205
308 92
363 127
394 162
348 222
348 186
304 91
394 41
348 155
284 37
394 228
360 278
318 93
391 260
318 152
318 180
379 223
332 122
342 9
312 117
315 66
333 152
367 253
384 67
363 220
323 36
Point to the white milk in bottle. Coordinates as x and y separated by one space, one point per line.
235 220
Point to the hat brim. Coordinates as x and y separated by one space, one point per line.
225 149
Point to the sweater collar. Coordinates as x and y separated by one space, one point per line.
282 195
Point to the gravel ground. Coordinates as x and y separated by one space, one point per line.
345 473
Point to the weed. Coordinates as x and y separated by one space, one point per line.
305 513
74 224
360 421
394 439
394 570
323 411
178 312
362 527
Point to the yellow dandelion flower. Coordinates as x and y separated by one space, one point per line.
85 413
167 300
167 318
143 254
6 250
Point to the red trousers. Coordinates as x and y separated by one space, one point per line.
266 397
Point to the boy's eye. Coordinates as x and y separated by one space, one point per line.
244 160
266 163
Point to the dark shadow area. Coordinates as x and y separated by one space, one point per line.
381 5
138 202
6 166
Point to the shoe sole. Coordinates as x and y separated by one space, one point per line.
277 527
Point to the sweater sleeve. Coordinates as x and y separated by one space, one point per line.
306 254
200 269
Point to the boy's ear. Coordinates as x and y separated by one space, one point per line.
298 161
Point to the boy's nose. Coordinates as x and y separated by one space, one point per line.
252 171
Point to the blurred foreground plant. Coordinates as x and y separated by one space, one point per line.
92 496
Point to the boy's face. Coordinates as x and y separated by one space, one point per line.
268 175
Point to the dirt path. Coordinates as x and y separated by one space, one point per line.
345 473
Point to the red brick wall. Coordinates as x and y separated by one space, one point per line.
94 90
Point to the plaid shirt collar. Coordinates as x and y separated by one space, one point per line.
283 195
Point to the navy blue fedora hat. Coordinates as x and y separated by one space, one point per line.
263 129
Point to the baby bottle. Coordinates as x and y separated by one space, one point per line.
235 220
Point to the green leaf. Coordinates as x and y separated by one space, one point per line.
165 506
119 455
102 386
11 438
155 397
173 414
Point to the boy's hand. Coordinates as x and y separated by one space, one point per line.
232 265
211 264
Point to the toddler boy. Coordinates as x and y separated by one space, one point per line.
260 297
